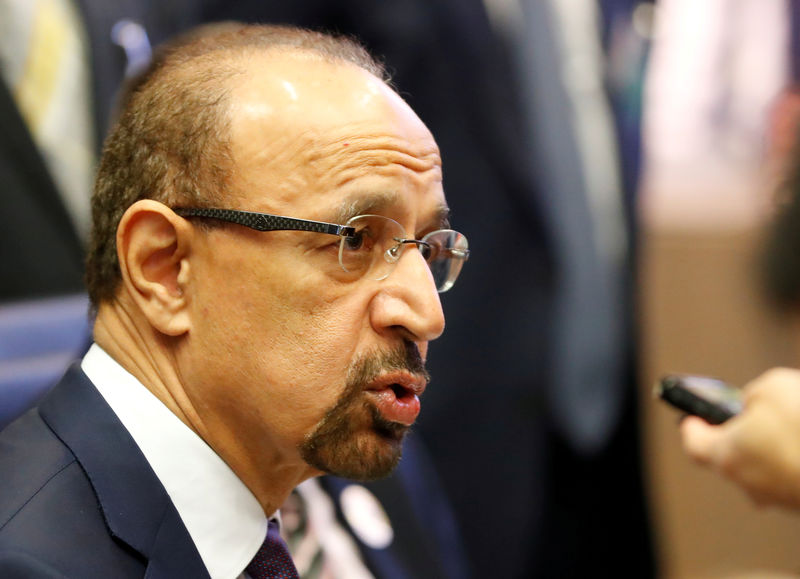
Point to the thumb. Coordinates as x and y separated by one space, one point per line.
702 441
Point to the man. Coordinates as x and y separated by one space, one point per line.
237 352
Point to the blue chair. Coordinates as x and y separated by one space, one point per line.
38 340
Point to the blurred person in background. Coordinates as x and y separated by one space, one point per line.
61 63
715 73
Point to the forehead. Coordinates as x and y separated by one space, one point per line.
310 133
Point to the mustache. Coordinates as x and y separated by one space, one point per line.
336 445
404 357
334 425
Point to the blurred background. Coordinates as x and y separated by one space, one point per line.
615 164
719 120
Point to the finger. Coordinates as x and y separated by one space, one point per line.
701 440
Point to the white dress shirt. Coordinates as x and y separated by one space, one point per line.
223 517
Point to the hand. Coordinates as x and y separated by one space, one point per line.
760 448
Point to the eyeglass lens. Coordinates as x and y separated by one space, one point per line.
377 245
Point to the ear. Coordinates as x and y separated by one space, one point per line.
153 248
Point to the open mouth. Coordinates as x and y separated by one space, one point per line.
396 396
401 392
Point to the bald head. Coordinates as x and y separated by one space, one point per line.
172 142
307 124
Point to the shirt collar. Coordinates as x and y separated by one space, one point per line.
223 517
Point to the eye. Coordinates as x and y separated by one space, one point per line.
354 242
362 240
428 251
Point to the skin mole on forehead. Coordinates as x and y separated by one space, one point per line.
346 147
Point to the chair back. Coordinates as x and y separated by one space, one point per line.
38 340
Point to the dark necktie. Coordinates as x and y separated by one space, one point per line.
272 560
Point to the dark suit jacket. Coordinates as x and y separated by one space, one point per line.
40 253
79 499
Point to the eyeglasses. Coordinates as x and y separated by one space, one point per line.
370 245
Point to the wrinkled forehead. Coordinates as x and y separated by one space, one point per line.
301 123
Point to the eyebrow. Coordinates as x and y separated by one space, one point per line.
363 204
378 202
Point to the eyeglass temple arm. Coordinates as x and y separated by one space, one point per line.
266 222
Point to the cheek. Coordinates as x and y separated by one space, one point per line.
277 337
315 342
288 350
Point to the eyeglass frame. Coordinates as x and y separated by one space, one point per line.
269 222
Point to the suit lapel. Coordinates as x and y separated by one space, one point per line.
135 505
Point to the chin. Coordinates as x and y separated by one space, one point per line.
364 456
355 441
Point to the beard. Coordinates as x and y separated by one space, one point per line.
353 440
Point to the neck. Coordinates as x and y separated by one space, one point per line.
143 352
154 359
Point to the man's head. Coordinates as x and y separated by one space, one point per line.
282 354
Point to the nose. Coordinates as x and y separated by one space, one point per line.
407 300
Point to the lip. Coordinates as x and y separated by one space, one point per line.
396 395
414 383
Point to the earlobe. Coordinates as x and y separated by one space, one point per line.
153 248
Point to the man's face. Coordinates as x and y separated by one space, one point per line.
292 361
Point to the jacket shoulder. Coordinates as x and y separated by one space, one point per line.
31 457
51 524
